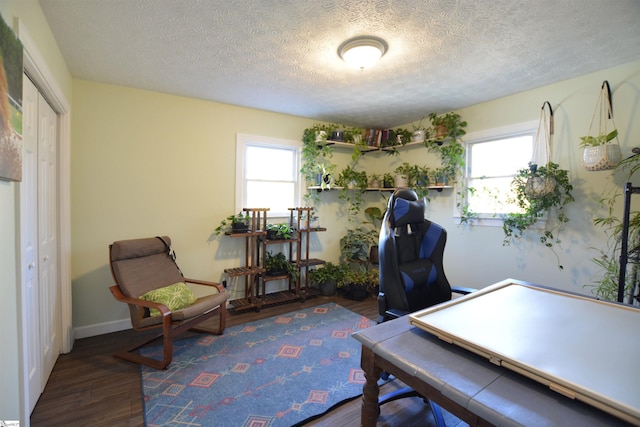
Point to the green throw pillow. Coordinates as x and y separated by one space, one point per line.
175 297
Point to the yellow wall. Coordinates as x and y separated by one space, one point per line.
475 256
145 163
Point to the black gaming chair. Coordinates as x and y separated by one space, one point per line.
411 272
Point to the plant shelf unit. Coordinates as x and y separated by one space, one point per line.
251 270
254 271
370 148
438 188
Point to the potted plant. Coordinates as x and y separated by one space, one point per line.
356 283
397 137
327 277
387 180
279 231
609 255
279 265
317 168
352 179
375 180
535 208
419 132
375 216
447 126
598 153
373 280
237 223
354 246
313 220
402 175
441 177
353 184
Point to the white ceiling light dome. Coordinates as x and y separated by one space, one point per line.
362 51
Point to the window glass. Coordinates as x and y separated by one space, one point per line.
268 175
493 159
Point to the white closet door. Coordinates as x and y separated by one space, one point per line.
49 296
40 293
29 242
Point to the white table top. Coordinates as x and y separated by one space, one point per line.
583 348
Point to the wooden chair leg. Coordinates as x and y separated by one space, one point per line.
130 354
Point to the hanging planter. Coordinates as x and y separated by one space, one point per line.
602 151
540 193
538 186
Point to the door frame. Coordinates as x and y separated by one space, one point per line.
36 67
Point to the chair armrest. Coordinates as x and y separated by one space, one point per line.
462 290
218 286
395 313
118 295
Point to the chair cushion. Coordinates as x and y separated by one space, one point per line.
418 273
175 297
408 212
202 305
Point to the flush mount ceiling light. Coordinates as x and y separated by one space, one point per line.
363 51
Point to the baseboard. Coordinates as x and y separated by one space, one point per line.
102 328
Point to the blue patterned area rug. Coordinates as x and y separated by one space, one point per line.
273 372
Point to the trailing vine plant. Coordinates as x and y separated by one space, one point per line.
317 168
536 204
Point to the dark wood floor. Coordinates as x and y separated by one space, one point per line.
89 387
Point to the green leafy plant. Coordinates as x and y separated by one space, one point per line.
327 272
317 167
405 169
227 224
397 138
369 280
608 258
592 141
354 184
374 215
534 208
447 126
387 180
355 244
278 263
375 178
279 231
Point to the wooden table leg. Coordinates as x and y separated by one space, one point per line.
370 390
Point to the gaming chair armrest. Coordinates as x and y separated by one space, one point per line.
462 290
395 313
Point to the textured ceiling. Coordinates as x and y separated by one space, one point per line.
281 55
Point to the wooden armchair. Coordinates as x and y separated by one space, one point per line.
139 266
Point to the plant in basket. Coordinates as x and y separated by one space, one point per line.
536 204
601 152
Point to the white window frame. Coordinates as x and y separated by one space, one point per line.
245 140
515 130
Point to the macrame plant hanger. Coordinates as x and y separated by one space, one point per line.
541 145
606 154
536 185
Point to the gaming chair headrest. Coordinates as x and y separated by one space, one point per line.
405 208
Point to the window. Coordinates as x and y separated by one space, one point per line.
493 159
267 174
